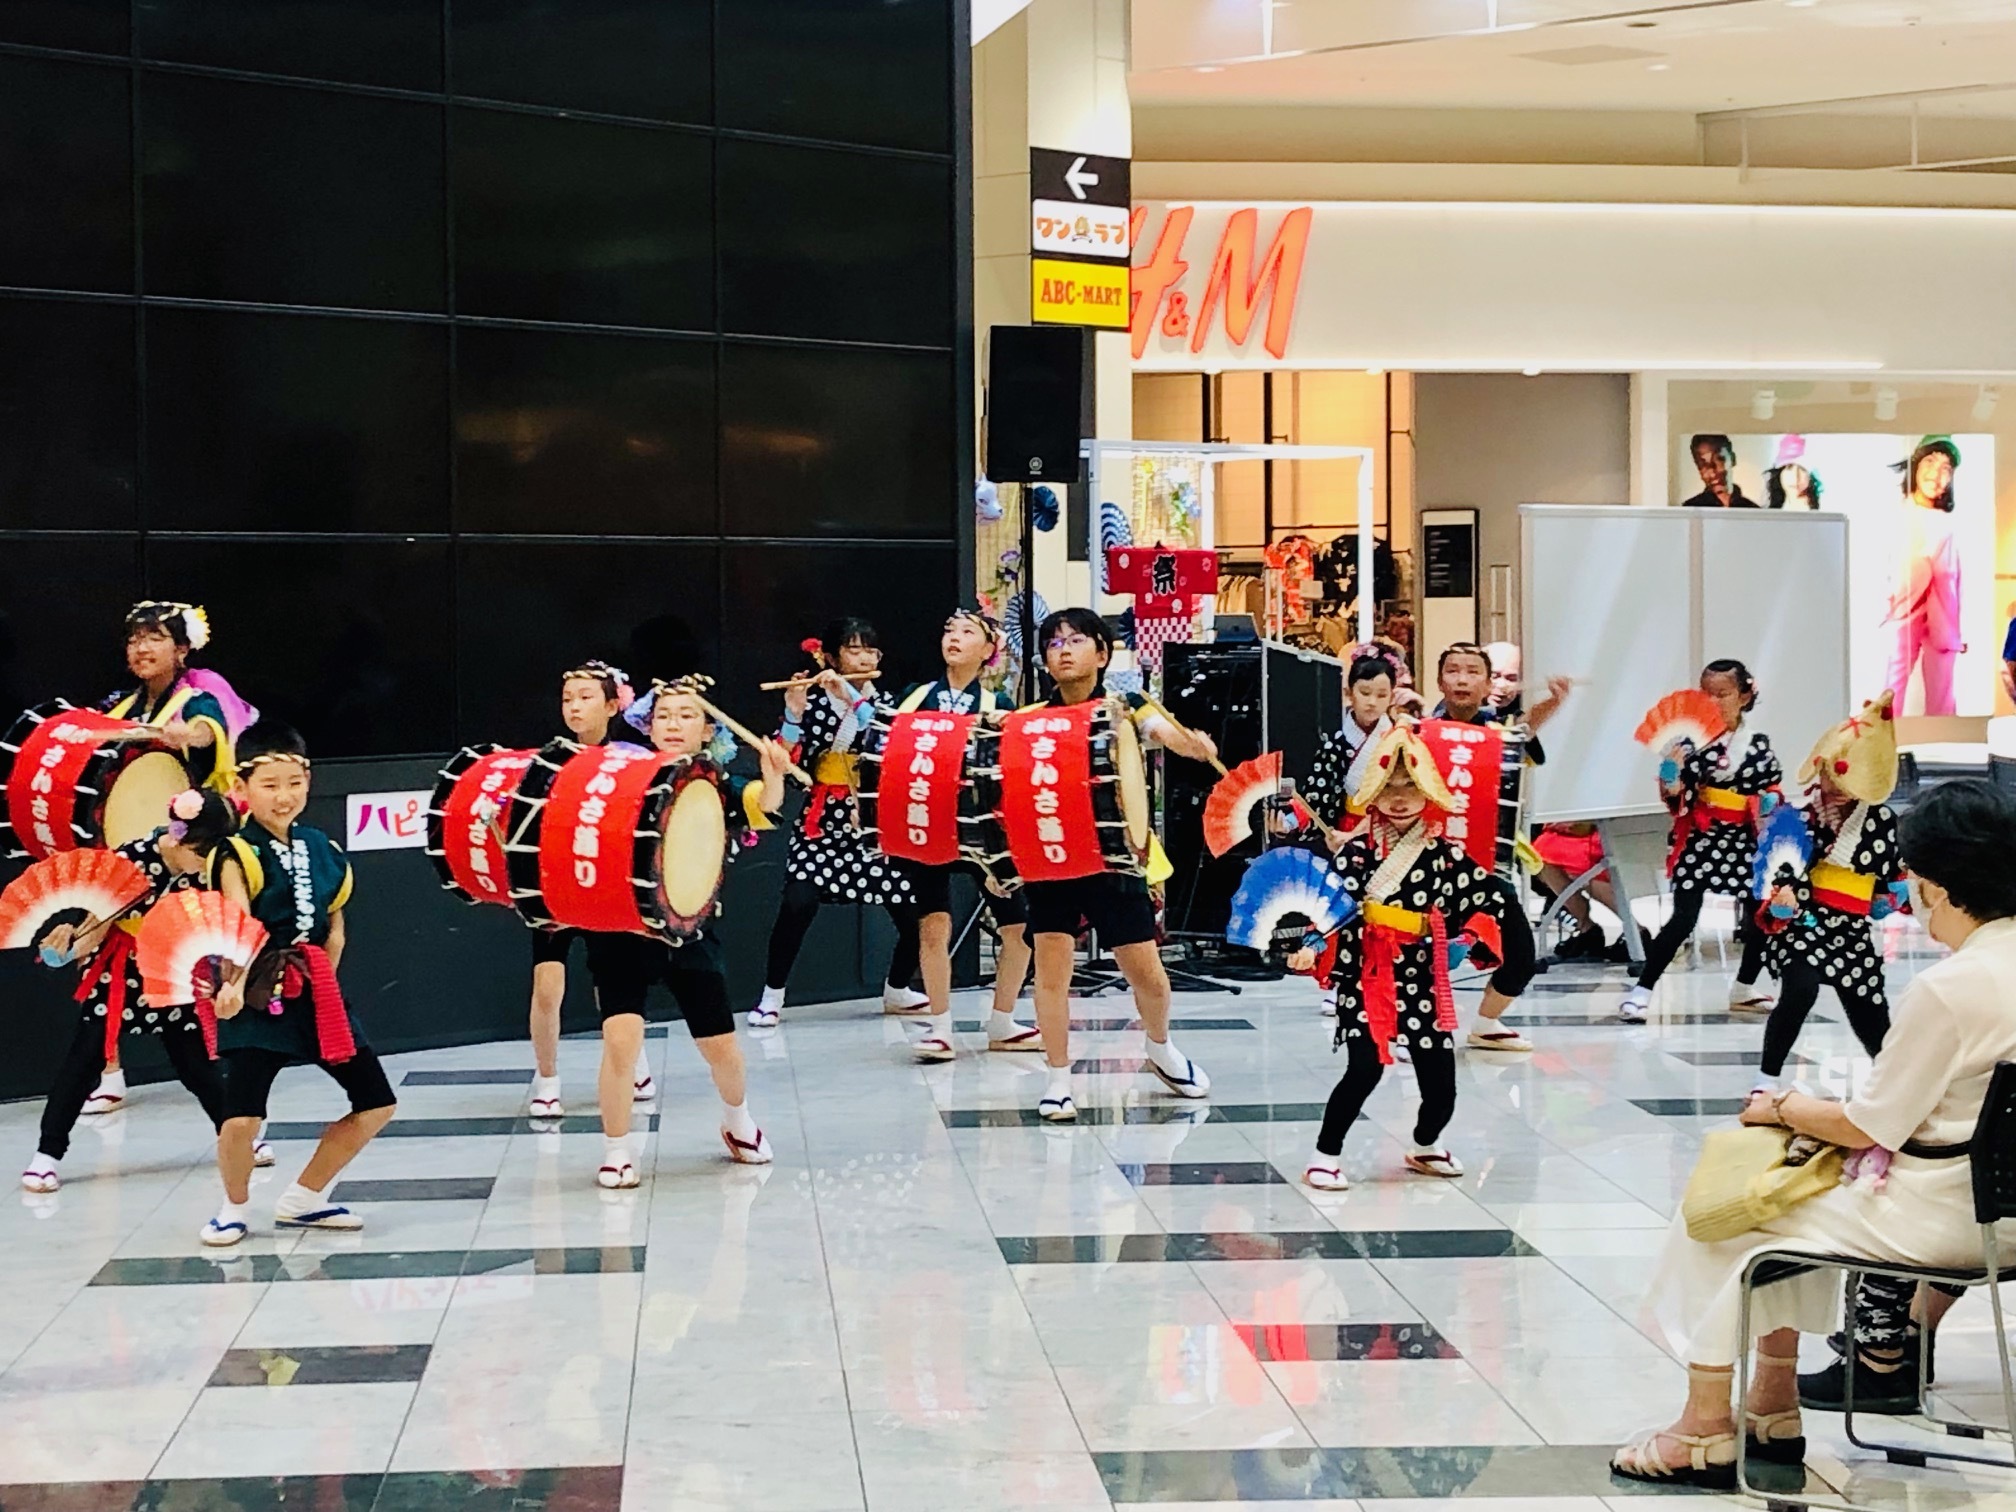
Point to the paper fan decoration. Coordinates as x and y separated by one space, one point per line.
1783 846
185 929
1043 508
1228 812
1113 531
102 883
1689 715
1011 617
1282 883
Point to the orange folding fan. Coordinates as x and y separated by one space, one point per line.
1228 812
1688 715
103 883
185 929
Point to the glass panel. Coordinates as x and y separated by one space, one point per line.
270 193
66 175
62 602
872 71
648 58
817 242
84 25
66 415
907 591
391 42
350 642
581 220
818 441
295 423
577 434
529 612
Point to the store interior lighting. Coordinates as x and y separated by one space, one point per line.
1763 404
1886 404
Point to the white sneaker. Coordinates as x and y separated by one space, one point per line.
618 1171
745 1151
905 1000
545 1099
262 1154
1433 1162
1325 1176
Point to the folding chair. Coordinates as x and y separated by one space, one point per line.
1992 1152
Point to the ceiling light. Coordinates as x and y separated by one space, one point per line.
1984 403
1886 404
1530 372
1763 404
1373 372
1657 67
1209 68
1800 4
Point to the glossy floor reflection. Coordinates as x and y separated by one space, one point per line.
931 1300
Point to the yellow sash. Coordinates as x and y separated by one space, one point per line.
1403 920
1827 877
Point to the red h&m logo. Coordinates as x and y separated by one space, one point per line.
1236 279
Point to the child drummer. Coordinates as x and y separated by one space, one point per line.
1423 903
970 641
287 1009
624 966
1076 647
593 697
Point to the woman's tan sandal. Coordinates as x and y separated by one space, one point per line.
1711 1460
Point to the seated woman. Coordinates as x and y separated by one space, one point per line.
1921 1100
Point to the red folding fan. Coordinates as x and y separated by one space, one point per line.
101 882
1688 715
184 930
1228 812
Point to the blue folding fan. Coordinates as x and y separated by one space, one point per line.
1783 845
1283 882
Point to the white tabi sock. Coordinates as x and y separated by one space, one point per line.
642 1071
1000 1025
939 1026
1168 1057
773 1000
1060 1082
299 1199
736 1120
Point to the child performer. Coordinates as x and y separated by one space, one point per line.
1340 757
1076 647
1717 795
592 697
827 861
625 965
970 641
197 713
287 1009
173 858
1817 925
1465 673
1417 892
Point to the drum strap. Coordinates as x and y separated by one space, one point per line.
914 699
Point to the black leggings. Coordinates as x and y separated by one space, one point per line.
1434 1070
1880 1310
78 1075
800 906
1686 914
1515 970
1869 1018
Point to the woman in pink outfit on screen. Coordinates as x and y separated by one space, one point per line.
1925 601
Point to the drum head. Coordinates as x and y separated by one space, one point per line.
696 841
1133 773
138 803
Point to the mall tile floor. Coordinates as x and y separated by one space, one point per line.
930 1301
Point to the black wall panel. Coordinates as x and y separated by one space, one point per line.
438 345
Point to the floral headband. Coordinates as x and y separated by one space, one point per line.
603 672
722 748
195 620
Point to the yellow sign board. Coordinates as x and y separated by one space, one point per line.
1079 294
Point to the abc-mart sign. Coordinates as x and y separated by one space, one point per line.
1217 285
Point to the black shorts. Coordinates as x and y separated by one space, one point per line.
552 945
624 967
1117 906
932 887
249 1073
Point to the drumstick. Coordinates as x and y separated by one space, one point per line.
1182 729
812 682
741 733
138 732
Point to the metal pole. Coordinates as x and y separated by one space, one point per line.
1366 556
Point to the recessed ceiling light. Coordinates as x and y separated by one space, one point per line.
1530 372
1209 68
1800 4
1657 67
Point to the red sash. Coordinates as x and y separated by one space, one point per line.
109 966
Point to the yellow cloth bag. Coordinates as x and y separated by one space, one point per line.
1742 1181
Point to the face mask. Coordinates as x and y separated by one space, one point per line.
1921 910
